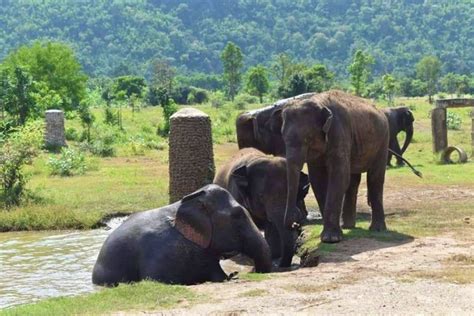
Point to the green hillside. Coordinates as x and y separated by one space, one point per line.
111 35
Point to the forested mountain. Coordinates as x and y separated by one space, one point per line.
110 35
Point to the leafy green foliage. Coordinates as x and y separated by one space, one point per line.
389 86
359 70
169 108
70 162
232 61
428 70
319 78
257 81
16 151
55 70
16 93
453 121
120 38
126 86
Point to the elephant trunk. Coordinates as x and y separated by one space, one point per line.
295 158
408 138
255 246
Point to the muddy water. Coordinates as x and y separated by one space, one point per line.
38 265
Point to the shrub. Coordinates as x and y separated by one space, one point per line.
169 108
217 99
18 150
72 134
453 121
103 139
69 163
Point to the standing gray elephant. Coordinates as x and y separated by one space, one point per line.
339 136
182 242
258 182
399 119
256 128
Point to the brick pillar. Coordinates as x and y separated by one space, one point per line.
54 136
439 129
191 157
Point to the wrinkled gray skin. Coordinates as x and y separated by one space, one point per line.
256 128
258 182
399 119
339 136
181 243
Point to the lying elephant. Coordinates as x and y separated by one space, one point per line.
258 182
255 128
399 119
181 243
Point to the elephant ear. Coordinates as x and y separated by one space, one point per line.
239 182
276 121
193 219
303 186
326 119
409 116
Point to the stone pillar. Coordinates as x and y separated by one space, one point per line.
54 136
191 157
472 132
439 129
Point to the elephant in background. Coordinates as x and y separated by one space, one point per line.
255 128
399 119
258 182
181 243
339 136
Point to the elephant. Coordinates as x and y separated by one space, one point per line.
254 128
258 182
182 243
399 119
339 136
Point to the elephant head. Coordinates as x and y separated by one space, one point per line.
260 186
306 125
405 121
213 220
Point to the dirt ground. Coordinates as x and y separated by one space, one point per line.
428 275
391 278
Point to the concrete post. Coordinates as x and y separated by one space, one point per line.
191 157
439 129
54 136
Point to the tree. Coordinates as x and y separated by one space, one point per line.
359 70
55 65
296 86
389 86
257 81
232 61
453 83
281 68
18 101
428 70
163 74
319 78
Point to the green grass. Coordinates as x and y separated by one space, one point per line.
150 296
129 183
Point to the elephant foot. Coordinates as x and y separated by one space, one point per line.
331 235
378 226
348 225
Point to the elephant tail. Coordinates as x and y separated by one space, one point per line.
416 172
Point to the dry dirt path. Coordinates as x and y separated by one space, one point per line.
416 277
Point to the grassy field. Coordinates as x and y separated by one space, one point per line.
440 203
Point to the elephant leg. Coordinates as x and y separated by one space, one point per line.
273 239
318 178
396 148
375 183
217 274
350 201
339 179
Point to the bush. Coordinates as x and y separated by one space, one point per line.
69 163
217 99
72 134
18 150
103 139
169 108
453 121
